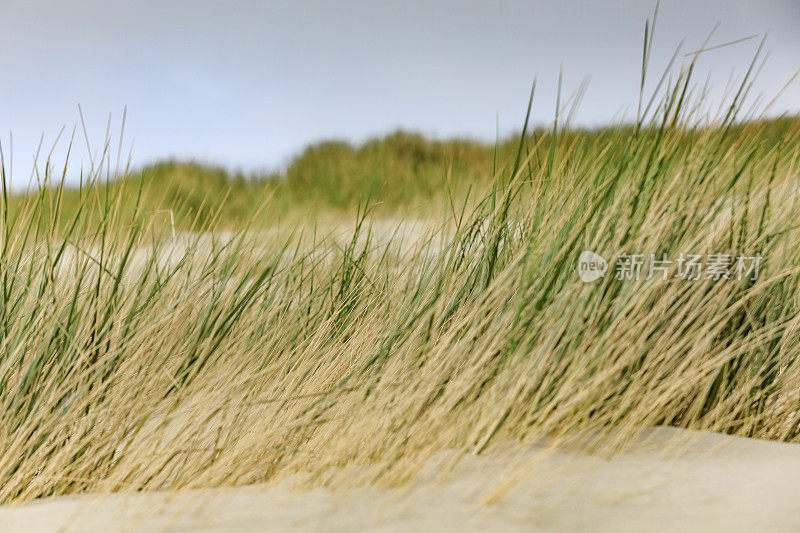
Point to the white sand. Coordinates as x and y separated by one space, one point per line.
672 481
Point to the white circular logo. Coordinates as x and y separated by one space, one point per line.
591 266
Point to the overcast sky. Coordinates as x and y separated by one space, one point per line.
248 83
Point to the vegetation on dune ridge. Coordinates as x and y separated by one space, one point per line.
132 360
396 173
393 171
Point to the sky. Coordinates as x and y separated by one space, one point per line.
247 84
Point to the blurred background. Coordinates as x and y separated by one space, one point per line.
247 84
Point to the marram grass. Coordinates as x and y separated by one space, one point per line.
132 360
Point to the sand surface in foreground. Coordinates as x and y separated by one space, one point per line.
672 480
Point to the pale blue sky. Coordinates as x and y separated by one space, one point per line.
248 83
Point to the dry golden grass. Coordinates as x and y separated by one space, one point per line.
132 361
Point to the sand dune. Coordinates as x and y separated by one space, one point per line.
672 480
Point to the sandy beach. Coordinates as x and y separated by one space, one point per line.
671 480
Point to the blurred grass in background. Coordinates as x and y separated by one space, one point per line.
399 171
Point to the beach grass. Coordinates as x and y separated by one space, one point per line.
445 313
